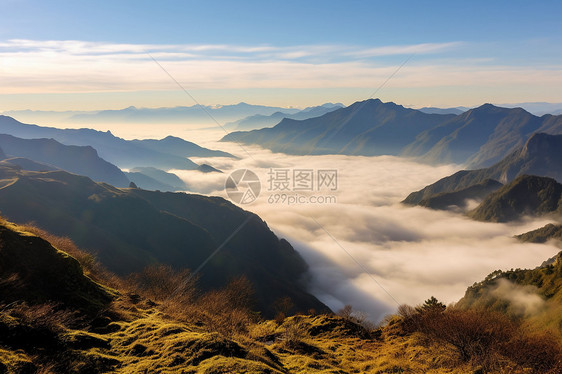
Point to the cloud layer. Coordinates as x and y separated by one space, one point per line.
411 253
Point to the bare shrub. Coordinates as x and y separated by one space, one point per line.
229 310
48 316
484 338
163 283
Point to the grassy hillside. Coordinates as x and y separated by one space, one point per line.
534 295
142 327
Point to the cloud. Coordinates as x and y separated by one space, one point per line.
30 66
524 300
412 252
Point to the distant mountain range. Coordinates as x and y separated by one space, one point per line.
366 128
434 110
479 137
259 121
83 160
541 155
199 115
118 151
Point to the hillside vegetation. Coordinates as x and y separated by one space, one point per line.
158 320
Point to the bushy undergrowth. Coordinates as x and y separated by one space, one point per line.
487 339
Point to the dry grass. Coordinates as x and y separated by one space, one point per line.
92 268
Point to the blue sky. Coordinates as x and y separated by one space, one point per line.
72 54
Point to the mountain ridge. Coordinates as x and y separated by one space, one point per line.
541 155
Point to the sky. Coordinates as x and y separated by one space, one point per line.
82 55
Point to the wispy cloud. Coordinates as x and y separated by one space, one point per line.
31 66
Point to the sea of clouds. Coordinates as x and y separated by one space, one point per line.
367 249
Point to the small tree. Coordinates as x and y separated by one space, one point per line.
431 305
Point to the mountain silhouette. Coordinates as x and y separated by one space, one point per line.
83 160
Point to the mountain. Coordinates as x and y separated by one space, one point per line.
541 155
526 195
83 160
480 137
206 168
459 198
155 179
366 128
179 147
434 110
201 115
537 108
123 153
259 121
543 234
129 229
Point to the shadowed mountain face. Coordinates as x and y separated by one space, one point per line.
365 128
458 199
75 159
541 155
526 195
129 229
479 137
482 136
121 152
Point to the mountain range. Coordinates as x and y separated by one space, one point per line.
366 128
541 155
259 121
478 137
196 114
82 160
123 153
